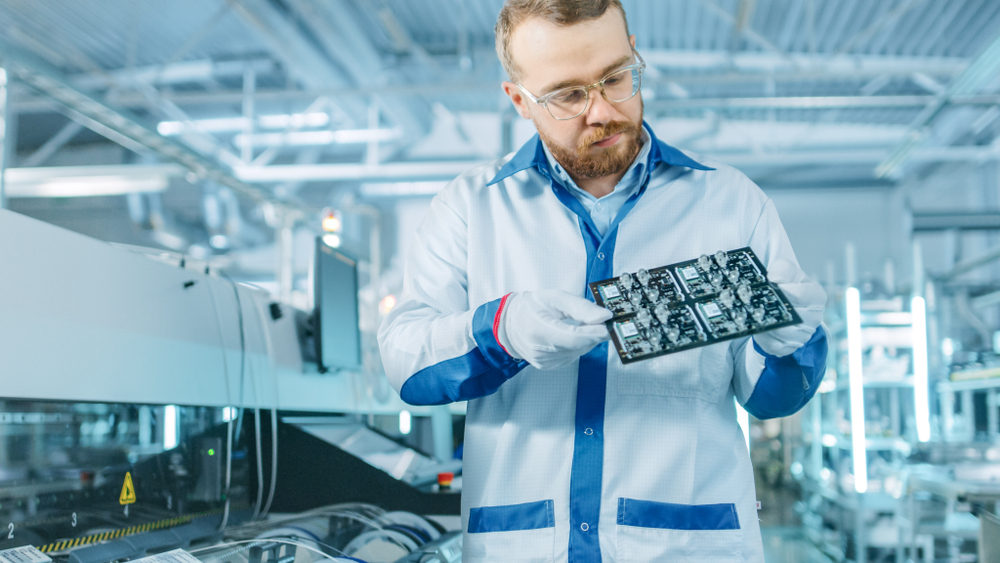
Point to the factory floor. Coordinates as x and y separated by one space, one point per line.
781 528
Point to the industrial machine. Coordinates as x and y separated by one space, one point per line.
154 408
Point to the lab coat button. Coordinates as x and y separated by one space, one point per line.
584 527
588 431
600 256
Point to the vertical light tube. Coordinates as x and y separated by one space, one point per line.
4 134
854 351
743 419
169 427
921 409
405 422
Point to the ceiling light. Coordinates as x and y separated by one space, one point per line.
306 138
231 124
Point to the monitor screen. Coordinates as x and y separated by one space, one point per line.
335 289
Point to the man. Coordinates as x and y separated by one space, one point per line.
571 455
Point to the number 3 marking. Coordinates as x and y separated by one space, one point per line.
74 519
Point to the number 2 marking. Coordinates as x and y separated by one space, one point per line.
10 536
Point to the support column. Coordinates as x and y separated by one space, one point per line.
249 114
286 258
5 139
442 432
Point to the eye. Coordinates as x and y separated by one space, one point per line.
567 97
612 80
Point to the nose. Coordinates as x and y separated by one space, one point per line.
600 111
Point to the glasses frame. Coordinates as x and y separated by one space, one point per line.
544 100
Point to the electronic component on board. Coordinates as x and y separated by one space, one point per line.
690 304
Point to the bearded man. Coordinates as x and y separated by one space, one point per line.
571 455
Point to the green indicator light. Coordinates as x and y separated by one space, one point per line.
211 452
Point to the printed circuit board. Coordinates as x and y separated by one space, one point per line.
691 304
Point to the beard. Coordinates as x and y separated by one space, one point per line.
586 161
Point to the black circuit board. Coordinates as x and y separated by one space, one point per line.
690 304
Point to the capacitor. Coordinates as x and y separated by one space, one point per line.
662 313
758 314
654 339
705 263
733 275
727 297
673 334
643 277
721 258
626 280
642 317
744 293
717 279
653 293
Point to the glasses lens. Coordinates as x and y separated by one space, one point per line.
622 85
568 103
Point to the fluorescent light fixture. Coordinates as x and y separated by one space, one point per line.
232 124
331 240
921 409
829 440
296 120
216 125
84 181
405 422
854 364
219 241
228 413
307 138
743 419
169 427
402 189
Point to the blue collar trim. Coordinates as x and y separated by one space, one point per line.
532 155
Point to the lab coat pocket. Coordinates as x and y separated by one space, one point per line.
517 533
650 531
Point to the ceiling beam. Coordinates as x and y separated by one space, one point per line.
980 72
46 79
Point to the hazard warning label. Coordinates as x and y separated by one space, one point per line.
128 491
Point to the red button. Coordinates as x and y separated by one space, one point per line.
445 479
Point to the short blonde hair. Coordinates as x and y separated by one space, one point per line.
559 12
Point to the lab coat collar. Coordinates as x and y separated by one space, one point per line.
532 155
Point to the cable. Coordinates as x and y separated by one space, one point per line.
260 463
259 542
239 423
269 346
229 401
243 350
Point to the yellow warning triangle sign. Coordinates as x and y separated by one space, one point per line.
128 491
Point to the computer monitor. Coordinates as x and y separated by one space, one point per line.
335 318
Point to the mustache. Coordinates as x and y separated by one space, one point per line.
609 129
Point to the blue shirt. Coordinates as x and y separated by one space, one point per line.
604 210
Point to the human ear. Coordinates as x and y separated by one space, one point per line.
517 97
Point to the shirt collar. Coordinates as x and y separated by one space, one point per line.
532 155
634 176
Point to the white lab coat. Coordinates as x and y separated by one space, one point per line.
595 461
